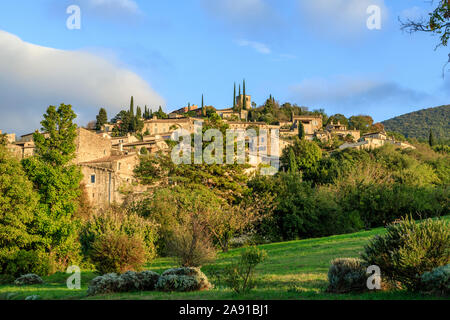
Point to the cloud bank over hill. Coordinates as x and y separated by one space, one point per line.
33 77
353 95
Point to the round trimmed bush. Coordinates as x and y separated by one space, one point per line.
347 275
28 280
183 280
410 249
437 281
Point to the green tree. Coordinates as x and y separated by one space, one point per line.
431 139
244 104
18 208
132 106
338 118
102 119
239 101
301 131
122 123
361 122
307 154
58 149
57 181
3 139
138 113
292 161
161 114
234 97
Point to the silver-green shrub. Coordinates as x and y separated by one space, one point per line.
108 283
437 281
347 275
183 280
28 279
148 280
127 282
409 249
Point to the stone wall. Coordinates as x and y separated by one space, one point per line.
101 185
91 146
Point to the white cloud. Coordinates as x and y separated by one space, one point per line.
258 46
352 95
33 77
345 18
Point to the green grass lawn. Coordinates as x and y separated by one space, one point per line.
293 270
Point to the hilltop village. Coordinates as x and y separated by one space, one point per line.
108 159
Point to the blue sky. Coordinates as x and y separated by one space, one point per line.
317 53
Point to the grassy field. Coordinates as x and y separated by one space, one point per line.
293 270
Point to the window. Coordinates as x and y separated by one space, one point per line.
119 165
93 178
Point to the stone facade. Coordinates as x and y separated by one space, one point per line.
311 124
375 140
248 101
160 126
91 146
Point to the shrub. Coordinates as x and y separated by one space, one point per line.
240 275
6 279
113 253
304 211
148 280
175 208
409 249
437 281
192 245
27 261
28 279
107 283
347 275
127 282
183 280
119 222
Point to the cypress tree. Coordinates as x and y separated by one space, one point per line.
244 102
239 101
234 96
132 106
431 139
203 107
138 112
301 130
292 162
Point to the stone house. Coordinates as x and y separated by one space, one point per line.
375 140
160 126
311 124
